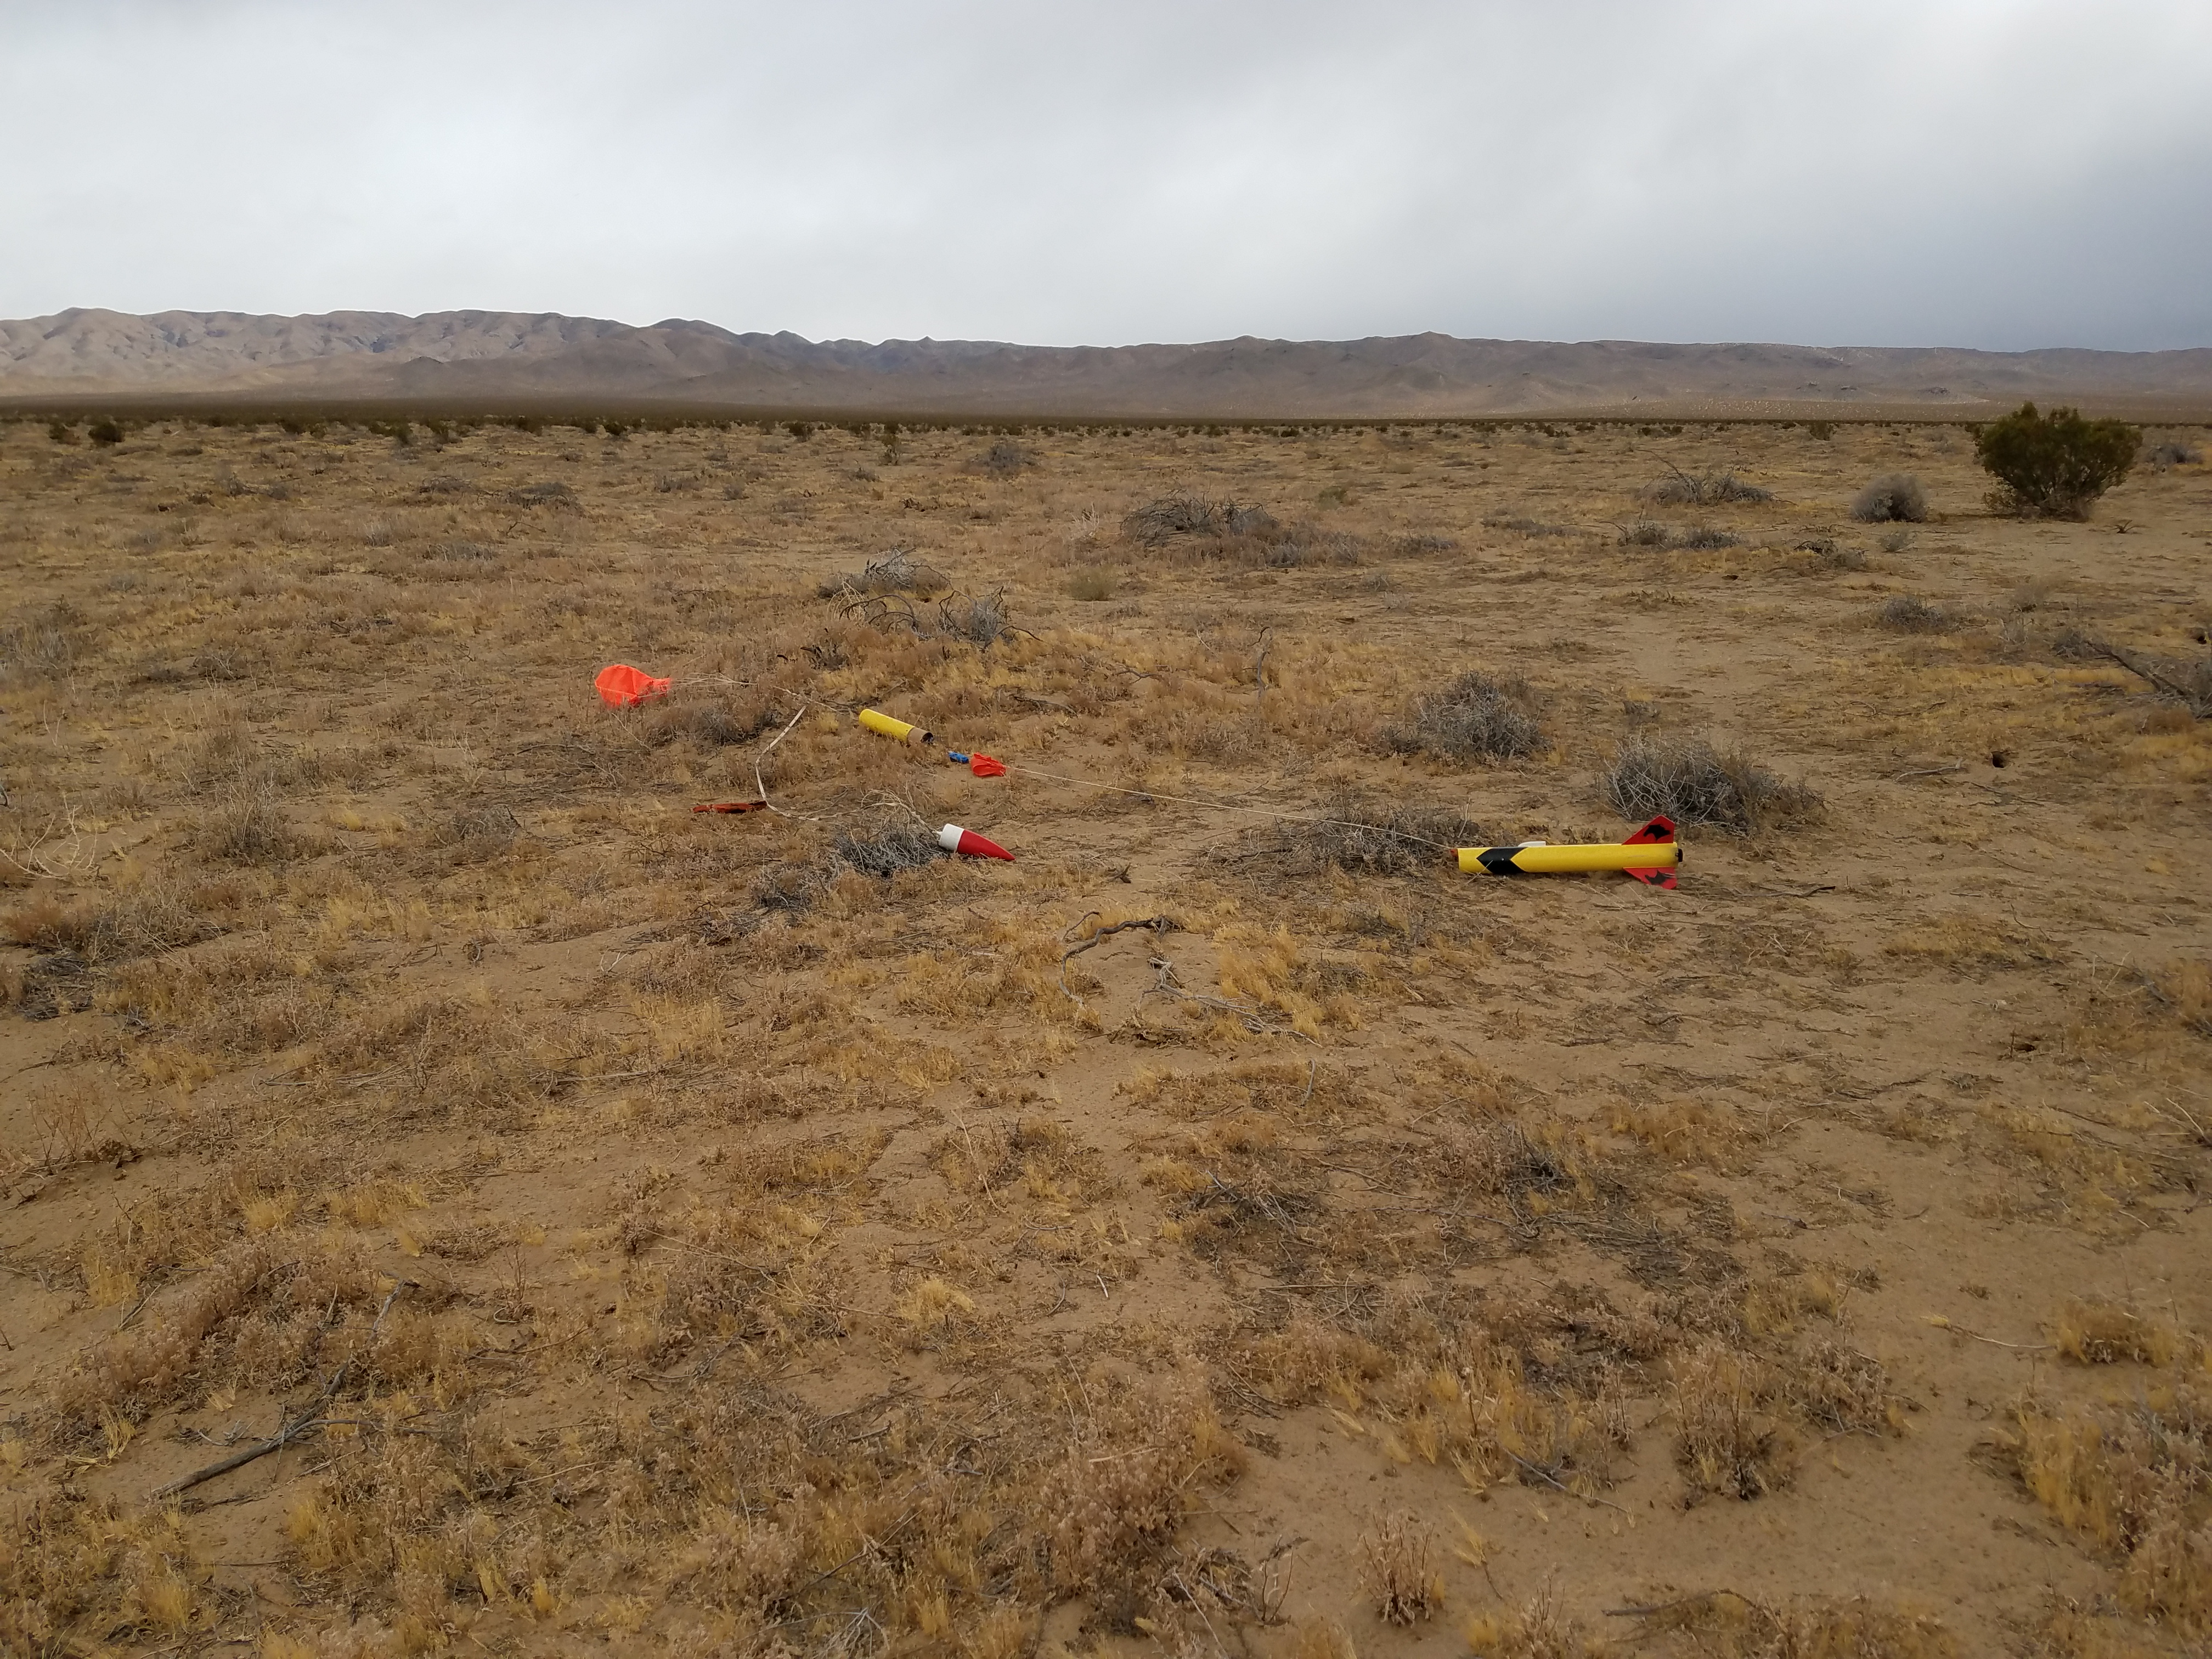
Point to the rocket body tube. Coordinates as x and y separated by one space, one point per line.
897 730
1536 859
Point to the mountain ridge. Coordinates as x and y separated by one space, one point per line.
548 356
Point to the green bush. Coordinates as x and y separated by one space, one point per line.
2054 465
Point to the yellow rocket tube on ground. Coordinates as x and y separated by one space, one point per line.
1649 854
1535 859
897 730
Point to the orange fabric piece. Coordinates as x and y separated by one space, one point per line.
621 686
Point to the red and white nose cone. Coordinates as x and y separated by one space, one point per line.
953 839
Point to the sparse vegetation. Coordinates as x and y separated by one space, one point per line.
688 1231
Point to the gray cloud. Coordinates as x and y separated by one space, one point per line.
1997 175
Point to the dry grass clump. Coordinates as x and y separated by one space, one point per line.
1714 488
1908 613
1694 784
1722 1625
1725 1442
42 647
1396 1570
1539 1628
884 851
2172 452
250 827
2183 986
1092 583
2100 1333
1893 497
1478 717
2132 1477
68 1561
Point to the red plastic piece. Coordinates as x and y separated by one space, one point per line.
621 686
984 766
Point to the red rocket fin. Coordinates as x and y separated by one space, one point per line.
1652 877
1660 829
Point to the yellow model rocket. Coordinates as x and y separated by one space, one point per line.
1650 855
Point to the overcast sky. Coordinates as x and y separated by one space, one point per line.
2004 175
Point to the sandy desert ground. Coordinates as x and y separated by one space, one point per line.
652 1231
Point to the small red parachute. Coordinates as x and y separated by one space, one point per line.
621 686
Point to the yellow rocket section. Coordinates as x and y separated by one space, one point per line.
899 730
1537 860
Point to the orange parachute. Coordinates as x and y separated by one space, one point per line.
621 686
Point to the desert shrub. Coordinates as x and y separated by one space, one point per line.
982 621
104 432
1414 546
1159 522
2054 465
1692 783
1702 537
1646 533
1908 613
1005 459
801 430
1894 495
1244 533
1475 717
1363 836
898 571
61 431
2172 452
1705 489
1823 430
551 493
887 851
